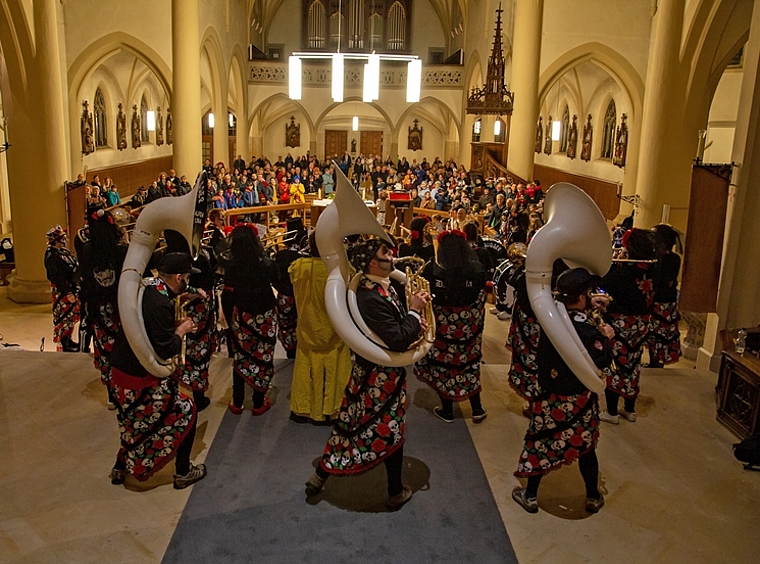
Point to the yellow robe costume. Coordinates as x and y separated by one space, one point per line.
297 193
323 361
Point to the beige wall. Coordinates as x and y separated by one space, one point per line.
722 121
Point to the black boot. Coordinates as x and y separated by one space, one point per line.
69 345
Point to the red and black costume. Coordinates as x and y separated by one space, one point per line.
664 339
522 339
61 267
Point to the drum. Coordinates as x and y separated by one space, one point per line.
496 249
505 294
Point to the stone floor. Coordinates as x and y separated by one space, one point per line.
674 491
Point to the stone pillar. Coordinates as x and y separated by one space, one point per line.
257 146
37 132
242 137
394 151
313 148
528 26
739 294
659 181
186 84
221 140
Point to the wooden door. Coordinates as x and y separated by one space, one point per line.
336 142
371 143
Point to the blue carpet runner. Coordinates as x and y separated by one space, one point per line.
252 508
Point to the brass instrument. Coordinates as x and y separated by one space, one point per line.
179 315
415 282
517 252
272 240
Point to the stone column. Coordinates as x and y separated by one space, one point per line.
739 294
242 137
528 26
221 141
659 181
186 84
37 133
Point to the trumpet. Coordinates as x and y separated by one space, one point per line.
274 239
415 282
179 314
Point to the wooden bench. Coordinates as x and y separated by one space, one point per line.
5 269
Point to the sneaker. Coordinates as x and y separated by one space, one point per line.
195 474
528 504
266 406
397 501
503 316
628 415
607 418
117 476
479 415
447 417
494 311
315 484
594 505
235 409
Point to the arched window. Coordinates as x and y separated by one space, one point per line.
565 130
501 136
376 31
396 27
144 133
337 30
608 138
317 25
99 113
476 130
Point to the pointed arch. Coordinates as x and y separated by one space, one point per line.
331 107
257 114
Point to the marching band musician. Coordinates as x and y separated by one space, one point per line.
452 366
101 260
249 276
323 360
664 339
200 307
629 284
61 267
370 426
287 312
419 241
564 423
156 419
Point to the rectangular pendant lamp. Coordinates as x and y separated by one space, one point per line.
294 78
497 127
337 77
355 123
151 119
211 120
556 127
413 79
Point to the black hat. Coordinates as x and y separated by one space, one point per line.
364 251
575 282
177 263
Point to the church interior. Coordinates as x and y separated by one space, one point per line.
656 106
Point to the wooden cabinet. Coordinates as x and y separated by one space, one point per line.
738 390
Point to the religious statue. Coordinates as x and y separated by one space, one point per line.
414 141
353 146
169 125
588 136
572 138
621 143
539 134
292 133
136 128
548 136
121 128
159 127
87 127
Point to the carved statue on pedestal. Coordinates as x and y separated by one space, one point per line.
159 127
588 136
539 134
621 143
121 128
572 138
136 128
548 136
169 125
292 133
87 127
414 141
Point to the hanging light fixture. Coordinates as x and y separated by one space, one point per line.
337 77
355 123
372 78
151 119
497 127
211 120
413 80
294 78
231 120
556 124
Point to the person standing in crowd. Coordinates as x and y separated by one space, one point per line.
156 419
323 360
664 339
101 259
370 427
200 307
419 244
452 367
564 424
112 196
287 311
629 284
61 267
253 323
